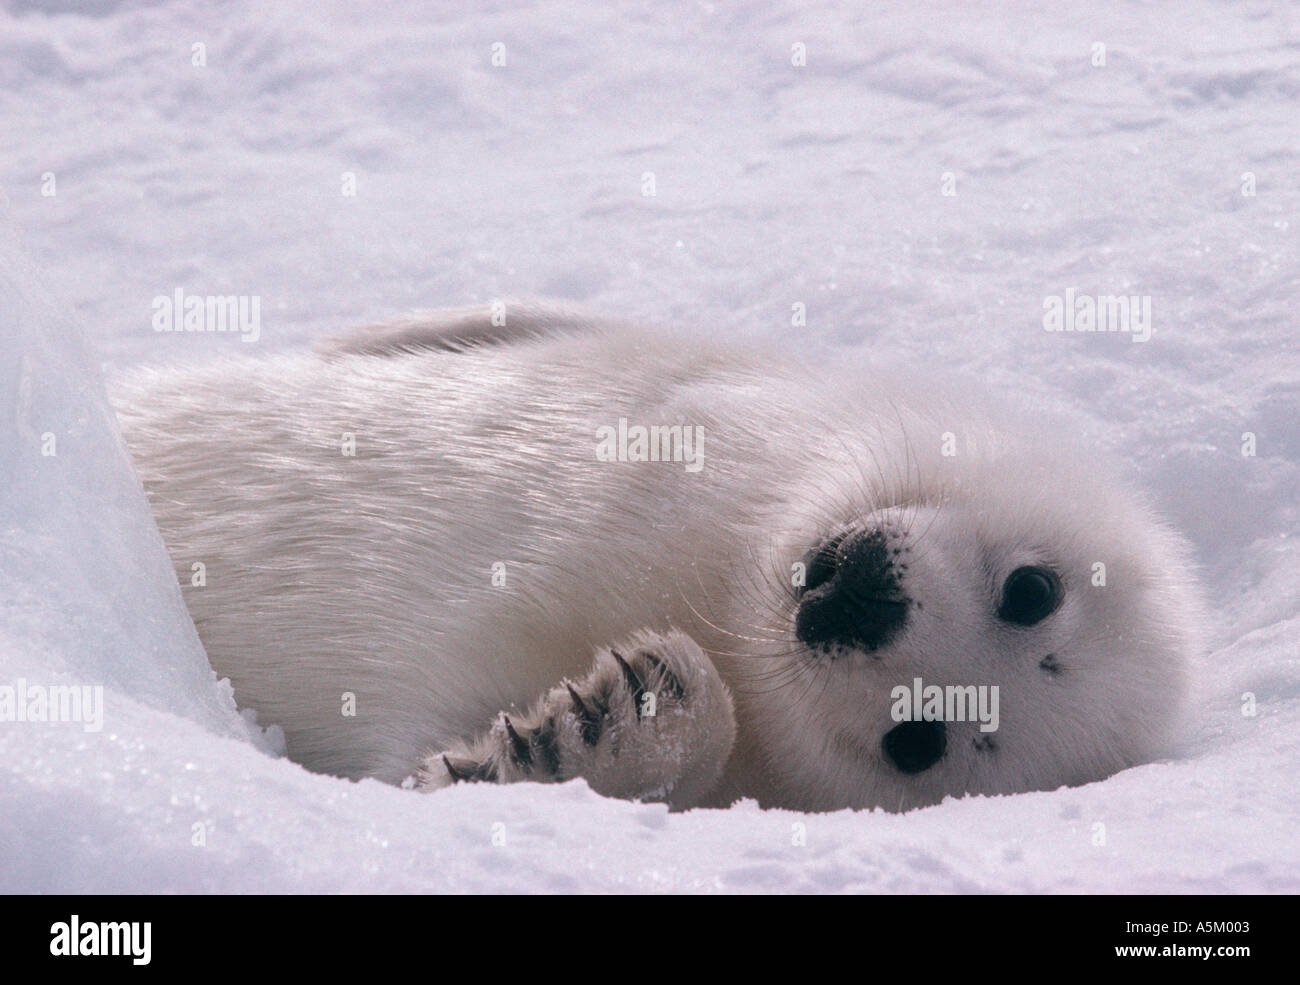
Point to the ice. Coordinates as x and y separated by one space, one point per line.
774 184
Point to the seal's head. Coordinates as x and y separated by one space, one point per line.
984 615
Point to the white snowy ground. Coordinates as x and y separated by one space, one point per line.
775 184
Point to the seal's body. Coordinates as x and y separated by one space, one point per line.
532 544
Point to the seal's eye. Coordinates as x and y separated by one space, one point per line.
822 564
1029 595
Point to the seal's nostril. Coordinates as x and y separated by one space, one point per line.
913 747
822 565
853 596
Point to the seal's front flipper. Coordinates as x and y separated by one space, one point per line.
652 721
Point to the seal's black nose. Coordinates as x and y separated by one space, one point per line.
913 747
853 596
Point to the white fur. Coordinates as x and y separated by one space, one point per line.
372 574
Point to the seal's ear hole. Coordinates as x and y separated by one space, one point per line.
1029 595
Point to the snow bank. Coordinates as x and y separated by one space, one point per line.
775 184
90 598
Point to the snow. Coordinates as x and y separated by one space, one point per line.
775 184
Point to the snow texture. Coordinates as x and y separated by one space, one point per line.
774 184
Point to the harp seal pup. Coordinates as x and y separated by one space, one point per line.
439 550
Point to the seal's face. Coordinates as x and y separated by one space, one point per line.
993 638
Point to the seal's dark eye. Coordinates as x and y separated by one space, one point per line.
821 564
1029 595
